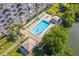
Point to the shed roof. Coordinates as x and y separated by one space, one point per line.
55 18
29 44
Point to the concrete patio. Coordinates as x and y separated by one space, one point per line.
28 27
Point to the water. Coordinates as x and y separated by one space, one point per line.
39 28
74 38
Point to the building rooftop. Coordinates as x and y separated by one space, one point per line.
55 18
29 44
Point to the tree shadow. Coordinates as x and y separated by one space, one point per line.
18 51
37 52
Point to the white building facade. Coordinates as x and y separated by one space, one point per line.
18 13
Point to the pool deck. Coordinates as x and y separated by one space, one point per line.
26 29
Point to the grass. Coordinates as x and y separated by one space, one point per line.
4 44
15 52
3 40
36 52
53 9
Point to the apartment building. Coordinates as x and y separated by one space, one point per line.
18 13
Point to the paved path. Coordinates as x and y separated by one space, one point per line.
13 46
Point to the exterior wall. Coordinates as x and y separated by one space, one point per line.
18 13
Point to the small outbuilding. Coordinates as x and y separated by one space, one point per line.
28 45
56 19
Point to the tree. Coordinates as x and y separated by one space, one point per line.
56 42
66 12
62 8
68 17
53 9
18 26
68 20
68 51
10 36
11 27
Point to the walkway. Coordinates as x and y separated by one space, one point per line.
26 33
12 47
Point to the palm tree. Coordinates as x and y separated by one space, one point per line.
11 33
14 31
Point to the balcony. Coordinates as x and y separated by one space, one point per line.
4 25
10 20
14 10
15 14
1 17
21 13
19 5
12 6
20 9
1 6
6 10
2 21
7 15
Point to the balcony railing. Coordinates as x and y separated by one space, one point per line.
21 13
6 10
19 5
20 9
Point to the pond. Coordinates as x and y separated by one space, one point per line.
74 38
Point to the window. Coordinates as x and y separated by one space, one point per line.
6 28
29 9
15 14
21 13
0 17
7 10
8 21
2 21
4 25
25 9
1 6
14 10
12 6
20 8
18 5
10 18
8 14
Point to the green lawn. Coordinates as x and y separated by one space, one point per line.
15 52
4 44
2 41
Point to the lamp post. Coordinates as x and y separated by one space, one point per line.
41 48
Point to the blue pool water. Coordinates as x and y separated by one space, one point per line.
40 27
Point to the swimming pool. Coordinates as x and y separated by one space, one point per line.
40 28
